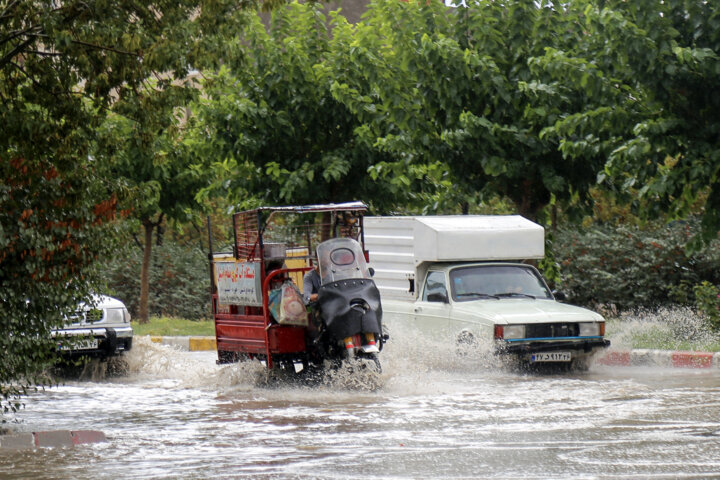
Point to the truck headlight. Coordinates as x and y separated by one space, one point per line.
506 332
591 329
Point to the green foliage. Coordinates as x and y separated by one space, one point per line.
179 281
272 125
658 121
549 265
459 89
632 268
62 66
707 297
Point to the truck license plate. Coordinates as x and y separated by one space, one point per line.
89 344
551 357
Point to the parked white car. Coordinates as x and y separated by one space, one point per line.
100 329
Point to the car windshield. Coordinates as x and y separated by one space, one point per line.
497 281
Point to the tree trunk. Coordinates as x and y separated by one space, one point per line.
530 198
145 272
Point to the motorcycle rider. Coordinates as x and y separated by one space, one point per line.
311 285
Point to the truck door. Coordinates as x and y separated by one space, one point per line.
432 310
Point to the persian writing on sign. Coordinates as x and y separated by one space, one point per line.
238 283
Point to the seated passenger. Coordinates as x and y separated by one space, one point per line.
311 285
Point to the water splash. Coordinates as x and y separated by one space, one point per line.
678 328
406 362
148 360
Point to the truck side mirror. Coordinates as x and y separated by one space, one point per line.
559 296
438 297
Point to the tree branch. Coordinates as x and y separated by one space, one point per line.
12 53
41 86
137 241
107 49
10 6
19 33
46 54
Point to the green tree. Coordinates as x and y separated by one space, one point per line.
660 131
457 89
149 156
271 122
62 66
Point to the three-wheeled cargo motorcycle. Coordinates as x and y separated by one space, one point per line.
257 305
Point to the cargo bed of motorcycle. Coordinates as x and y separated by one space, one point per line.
248 334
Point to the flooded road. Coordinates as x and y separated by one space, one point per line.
178 415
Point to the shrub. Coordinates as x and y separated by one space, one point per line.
632 268
707 298
179 281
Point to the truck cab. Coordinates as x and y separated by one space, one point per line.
467 278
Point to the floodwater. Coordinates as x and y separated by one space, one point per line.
432 414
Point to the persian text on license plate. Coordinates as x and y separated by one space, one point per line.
89 344
551 357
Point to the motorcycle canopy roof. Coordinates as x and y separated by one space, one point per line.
329 207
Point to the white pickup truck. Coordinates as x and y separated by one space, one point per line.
465 277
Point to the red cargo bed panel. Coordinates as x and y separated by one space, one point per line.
240 333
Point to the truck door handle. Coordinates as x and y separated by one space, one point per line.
418 309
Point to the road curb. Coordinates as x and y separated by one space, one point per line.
191 344
659 358
55 438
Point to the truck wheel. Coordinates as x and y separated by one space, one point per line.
465 338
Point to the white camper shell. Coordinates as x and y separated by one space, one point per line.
465 276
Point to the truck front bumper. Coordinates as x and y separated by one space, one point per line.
94 342
585 346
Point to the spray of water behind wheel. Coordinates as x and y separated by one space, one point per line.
407 360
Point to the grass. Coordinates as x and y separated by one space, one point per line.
167 326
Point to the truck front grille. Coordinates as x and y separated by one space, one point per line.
94 315
551 330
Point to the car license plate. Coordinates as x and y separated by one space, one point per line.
551 357
89 344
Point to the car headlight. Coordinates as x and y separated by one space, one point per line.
592 329
508 332
114 315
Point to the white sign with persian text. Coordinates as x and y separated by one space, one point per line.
238 283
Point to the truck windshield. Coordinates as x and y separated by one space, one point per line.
497 281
